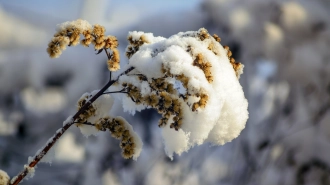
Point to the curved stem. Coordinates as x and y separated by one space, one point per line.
61 131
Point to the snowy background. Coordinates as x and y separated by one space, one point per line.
283 44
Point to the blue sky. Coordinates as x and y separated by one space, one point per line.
65 9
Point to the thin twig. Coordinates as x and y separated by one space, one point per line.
86 123
108 54
121 91
60 132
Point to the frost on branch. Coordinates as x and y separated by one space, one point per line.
192 81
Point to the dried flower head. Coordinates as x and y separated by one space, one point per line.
238 67
122 130
136 39
88 38
216 37
57 45
191 80
114 62
204 65
90 111
203 34
68 34
4 178
111 42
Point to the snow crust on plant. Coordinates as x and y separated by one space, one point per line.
87 130
30 171
175 141
130 106
137 140
68 120
48 158
79 24
225 113
4 178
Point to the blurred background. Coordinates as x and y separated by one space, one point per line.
284 45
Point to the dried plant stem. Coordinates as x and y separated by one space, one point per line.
121 91
59 133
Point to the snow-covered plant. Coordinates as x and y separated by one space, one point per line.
189 78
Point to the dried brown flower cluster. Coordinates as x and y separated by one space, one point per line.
163 96
90 111
203 97
4 178
165 99
216 37
203 34
166 103
238 67
134 45
57 45
204 65
69 35
114 61
118 129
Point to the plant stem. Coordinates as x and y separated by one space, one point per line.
60 132
121 91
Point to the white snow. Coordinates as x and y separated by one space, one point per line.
175 141
225 114
88 130
68 150
31 171
68 120
80 24
103 105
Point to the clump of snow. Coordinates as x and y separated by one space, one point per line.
130 106
30 171
102 105
225 113
67 150
88 130
4 178
175 141
79 24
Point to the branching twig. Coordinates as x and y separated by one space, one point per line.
108 54
61 131
121 91
86 123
